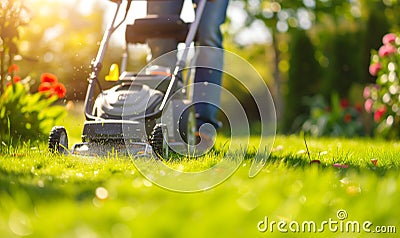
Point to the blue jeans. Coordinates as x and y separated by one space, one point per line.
209 34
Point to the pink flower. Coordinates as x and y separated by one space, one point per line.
379 113
367 92
389 38
375 67
386 50
368 105
340 166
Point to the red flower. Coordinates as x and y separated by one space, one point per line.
16 79
379 113
386 50
358 107
344 103
50 85
374 68
389 38
45 87
60 90
13 68
57 89
347 118
48 78
374 162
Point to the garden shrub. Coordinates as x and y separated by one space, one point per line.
29 116
309 76
339 118
24 116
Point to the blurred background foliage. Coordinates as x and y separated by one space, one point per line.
300 48
61 40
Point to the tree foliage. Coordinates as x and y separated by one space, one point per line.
342 33
12 18
62 43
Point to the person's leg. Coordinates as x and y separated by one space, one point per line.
209 34
159 46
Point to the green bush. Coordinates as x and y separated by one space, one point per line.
24 116
27 116
336 119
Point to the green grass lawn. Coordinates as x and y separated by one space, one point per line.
44 195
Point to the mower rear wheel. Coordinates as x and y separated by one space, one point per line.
158 141
191 128
58 140
188 127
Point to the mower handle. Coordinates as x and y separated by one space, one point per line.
96 65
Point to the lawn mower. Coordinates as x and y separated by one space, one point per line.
142 113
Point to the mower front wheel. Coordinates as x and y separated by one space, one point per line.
58 140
